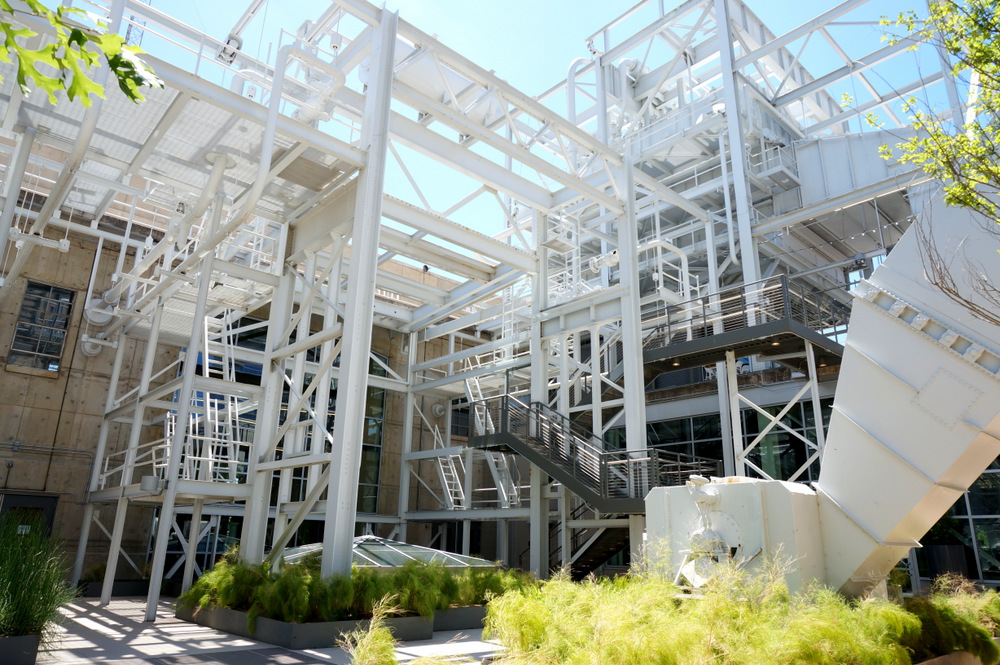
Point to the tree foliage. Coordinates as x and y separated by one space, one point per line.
962 153
65 61
965 156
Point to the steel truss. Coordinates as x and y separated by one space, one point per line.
269 215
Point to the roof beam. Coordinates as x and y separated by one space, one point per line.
440 227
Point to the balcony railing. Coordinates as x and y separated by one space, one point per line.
744 307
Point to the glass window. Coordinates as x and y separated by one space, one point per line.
40 334
984 495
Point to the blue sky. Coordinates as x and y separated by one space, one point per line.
529 43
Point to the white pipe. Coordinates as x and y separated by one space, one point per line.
685 274
180 230
628 101
571 102
73 161
23 240
734 257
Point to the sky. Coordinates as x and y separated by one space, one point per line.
529 43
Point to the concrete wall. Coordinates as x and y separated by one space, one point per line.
56 416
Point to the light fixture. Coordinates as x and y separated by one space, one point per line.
775 343
676 363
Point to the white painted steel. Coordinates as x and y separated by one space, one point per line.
915 422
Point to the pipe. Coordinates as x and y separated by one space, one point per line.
685 274
220 163
624 67
734 257
73 162
22 240
571 103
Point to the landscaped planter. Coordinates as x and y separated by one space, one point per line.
300 635
471 617
119 588
19 650
957 658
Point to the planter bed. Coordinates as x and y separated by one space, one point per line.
119 588
300 635
471 617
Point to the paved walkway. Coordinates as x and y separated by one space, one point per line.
118 635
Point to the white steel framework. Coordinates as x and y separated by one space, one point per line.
278 221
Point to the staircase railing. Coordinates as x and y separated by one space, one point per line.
574 454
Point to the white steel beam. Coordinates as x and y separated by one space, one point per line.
860 65
802 30
338 536
440 227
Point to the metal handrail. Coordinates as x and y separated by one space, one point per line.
610 474
744 307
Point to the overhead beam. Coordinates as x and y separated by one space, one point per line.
441 227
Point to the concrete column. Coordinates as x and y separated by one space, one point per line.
345 458
634 381
565 539
636 533
725 419
734 413
538 527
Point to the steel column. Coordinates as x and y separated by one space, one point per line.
183 413
133 441
341 507
748 248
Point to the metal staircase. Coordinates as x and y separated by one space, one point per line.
501 466
451 468
614 481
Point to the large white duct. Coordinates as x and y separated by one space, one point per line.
915 422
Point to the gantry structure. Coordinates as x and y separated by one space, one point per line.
694 193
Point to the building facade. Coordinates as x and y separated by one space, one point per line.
233 312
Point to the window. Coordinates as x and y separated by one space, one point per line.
41 328
461 418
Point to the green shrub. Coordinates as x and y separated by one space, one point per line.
737 619
285 597
331 598
374 644
32 577
232 583
476 586
299 594
952 623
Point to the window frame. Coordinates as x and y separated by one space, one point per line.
44 315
